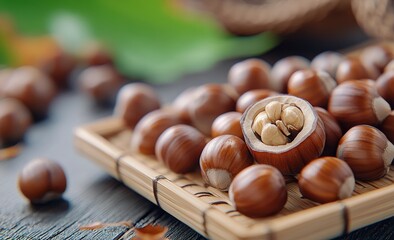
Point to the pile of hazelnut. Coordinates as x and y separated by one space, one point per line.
26 93
325 122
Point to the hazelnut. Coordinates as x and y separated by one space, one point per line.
32 87
209 101
42 180
179 148
288 147
385 87
313 86
58 68
327 61
390 66
251 97
376 58
326 179
351 69
101 83
15 119
249 74
357 102
387 127
222 159
332 129
182 101
367 151
149 129
96 54
258 191
283 69
135 100
227 123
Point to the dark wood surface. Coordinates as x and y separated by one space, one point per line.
92 195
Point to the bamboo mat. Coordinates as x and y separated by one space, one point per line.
209 211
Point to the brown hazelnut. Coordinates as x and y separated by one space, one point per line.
42 180
32 87
283 69
58 68
222 159
390 66
135 100
332 129
326 179
376 58
385 87
351 69
251 97
227 123
258 191
357 102
15 119
249 74
387 127
283 131
101 83
313 86
149 129
96 54
327 61
209 101
367 151
179 148
182 102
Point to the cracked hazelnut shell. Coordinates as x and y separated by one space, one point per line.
222 159
357 102
326 179
42 180
291 157
258 191
367 151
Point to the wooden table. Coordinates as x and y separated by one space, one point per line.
91 194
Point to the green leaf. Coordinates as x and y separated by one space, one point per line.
149 38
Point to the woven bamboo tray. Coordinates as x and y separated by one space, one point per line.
208 211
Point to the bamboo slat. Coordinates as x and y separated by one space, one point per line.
209 211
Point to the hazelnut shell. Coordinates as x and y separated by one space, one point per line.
227 123
292 157
332 129
251 97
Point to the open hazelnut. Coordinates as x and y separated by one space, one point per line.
209 101
222 159
101 83
357 102
227 123
367 151
387 127
15 119
283 69
288 137
327 61
385 87
258 191
135 100
251 97
351 69
249 74
332 129
149 129
326 179
313 86
42 180
179 148
32 87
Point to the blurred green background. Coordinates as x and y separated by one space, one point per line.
155 40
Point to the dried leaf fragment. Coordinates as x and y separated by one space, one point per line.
151 232
99 225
